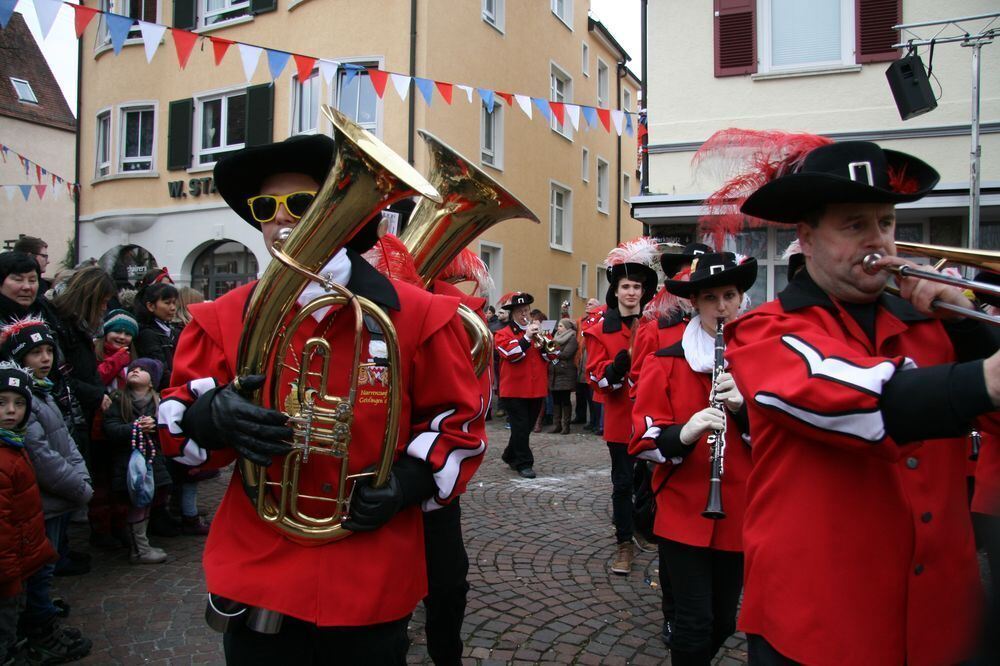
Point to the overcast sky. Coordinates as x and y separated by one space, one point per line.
620 16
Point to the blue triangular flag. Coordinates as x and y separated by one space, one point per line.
487 96
25 191
590 115
118 27
6 9
44 172
276 61
350 71
543 106
628 124
426 88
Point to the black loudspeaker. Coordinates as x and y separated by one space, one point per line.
910 87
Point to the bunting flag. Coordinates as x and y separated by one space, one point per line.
543 106
350 71
605 117
303 66
487 97
276 61
47 10
507 97
559 111
82 18
250 55
41 191
219 48
401 83
426 88
328 70
573 112
524 102
379 79
152 35
618 117
6 11
467 90
38 173
628 124
25 191
445 89
184 43
28 163
118 27
590 115
11 191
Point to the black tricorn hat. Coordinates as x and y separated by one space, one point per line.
633 271
517 299
671 262
845 172
715 270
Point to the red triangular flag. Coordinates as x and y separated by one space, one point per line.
184 43
605 116
82 18
41 191
219 46
379 79
304 64
38 173
559 109
507 97
445 89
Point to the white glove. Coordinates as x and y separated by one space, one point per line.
725 390
704 421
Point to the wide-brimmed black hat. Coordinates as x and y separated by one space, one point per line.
671 262
715 270
846 172
633 271
517 299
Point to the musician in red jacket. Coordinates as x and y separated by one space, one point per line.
676 409
857 532
351 598
631 283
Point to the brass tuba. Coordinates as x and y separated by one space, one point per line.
365 177
437 231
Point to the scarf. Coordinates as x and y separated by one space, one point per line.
699 346
44 385
562 338
338 270
139 404
14 438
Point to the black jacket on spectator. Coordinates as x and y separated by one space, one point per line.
155 342
118 430
79 369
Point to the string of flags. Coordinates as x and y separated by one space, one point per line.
40 173
119 27
27 189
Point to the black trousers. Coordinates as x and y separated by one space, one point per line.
762 653
305 644
447 584
622 486
582 399
522 413
706 585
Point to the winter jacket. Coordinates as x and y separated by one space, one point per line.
24 547
80 367
118 431
63 478
154 342
562 373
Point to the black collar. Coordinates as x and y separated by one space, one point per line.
676 349
613 320
803 292
368 282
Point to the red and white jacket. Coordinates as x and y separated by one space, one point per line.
524 368
603 342
373 577
651 337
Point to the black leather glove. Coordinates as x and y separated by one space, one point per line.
410 482
223 417
619 367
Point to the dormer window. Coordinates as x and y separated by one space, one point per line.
24 91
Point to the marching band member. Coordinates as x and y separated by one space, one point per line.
348 600
524 379
701 562
857 532
631 283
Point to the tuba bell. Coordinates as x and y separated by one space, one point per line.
365 177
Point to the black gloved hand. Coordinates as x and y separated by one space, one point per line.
224 418
410 482
619 367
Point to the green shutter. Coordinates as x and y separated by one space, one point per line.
261 6
260 114
184 14
179 122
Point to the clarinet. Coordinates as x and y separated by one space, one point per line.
717 440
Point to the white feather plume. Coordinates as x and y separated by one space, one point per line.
642 250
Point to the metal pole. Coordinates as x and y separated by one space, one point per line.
975 150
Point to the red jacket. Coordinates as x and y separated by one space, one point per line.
668 394
986 499
604 341
366 578
524 369
858 550
24 548
651 337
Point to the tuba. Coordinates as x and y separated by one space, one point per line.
365 177
437 231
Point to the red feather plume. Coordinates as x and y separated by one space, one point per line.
468 267
391 258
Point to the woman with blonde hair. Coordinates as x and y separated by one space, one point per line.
185 297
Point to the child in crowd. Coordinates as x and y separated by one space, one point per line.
63 481
130 423
114 350
24 548
157 338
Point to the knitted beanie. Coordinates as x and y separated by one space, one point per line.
150 365
15 379
121 321
22 335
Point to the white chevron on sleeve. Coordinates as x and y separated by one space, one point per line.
868 426
867 379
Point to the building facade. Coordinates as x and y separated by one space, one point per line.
816 67
148 147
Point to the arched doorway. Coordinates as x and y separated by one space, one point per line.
221 267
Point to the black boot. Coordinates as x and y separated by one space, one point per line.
162 524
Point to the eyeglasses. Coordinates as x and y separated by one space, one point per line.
265 206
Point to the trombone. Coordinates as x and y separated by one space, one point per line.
986 259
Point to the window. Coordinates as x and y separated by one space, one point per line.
24 91
103 162
557 296
141 10
626 188
585 167
626 99
220 126
357 98
138 131
305 103
581 291
603 185
493 13
795 35
222 267
560 217
491 138
586 60
564 10
212 12
492 256
603 79
561 90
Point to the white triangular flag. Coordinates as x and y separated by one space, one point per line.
152 33
328 70
573 111
402 84
11 190
524 102
47 10
467 89
618 117
250 56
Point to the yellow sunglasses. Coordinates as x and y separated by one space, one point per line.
265 206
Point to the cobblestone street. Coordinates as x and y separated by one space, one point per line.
538 551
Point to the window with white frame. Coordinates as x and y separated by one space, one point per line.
24 91
141 10
220 125
581 291
626 99
626 188
560 217
586 59
492 256
491 137
585 166
214 12
560 90
493 13
603 80
603 185
803 35
138 134
564 10
356 97
305 103
102 165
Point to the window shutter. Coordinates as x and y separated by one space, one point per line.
735 37
179 122
184 14
873 31
260 116
261 6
